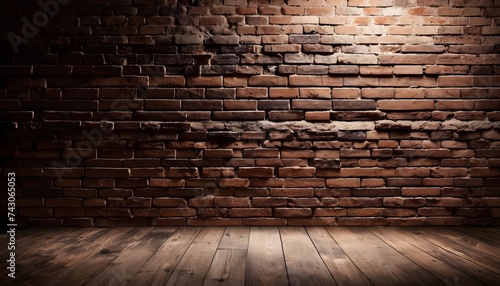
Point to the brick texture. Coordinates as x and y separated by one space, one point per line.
251 112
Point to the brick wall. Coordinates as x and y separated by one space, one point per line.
298 112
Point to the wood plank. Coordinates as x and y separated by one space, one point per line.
162 263
475 271
479 255
265 261
48 237
235 238
194 266
446 273
489 245
129 262
47 259
25 239
303 263
343 270
484 235
36 233
381 264
228 268
101 256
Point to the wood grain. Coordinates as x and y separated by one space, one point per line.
265 261
157 270
303 262
194 266
101 257
130 261
473 270
401 243
235 238
342 268
381 264
228 268
481 254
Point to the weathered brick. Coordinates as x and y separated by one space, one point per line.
267 80
353 104
412 59
292 212
239 115
231 202
296 172
261 59
310 104
255 172
405 104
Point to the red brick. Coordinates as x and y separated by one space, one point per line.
268 182
234 182
454 80
107 172
267 80
362 212
176 212
255 172
411 59
290 191
292 212
445 202
250 212
218 153
232 202
360 202
343 182
405 104
269 202
334 212
296 172
167 183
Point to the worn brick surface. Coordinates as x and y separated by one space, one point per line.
298 112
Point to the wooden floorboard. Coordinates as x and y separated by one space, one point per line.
481 235
129 262
228 268
459 247
378 261
100 257
194 266
157 270
475 271
63 252
303 263
265 261
239 256
343 270
400 242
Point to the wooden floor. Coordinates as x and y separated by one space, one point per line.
256 256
